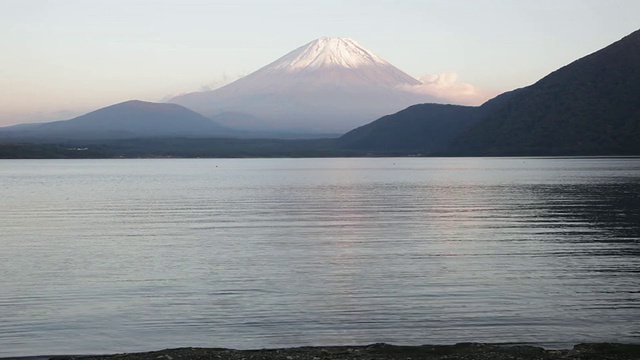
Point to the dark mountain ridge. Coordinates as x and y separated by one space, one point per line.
589 107
422 128
128 119
426 129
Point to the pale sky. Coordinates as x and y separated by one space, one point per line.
62 58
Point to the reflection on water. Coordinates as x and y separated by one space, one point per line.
608 208
125 255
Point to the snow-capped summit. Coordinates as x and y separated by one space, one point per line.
333 60
326 85
326 51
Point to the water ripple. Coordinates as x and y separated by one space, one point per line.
112 256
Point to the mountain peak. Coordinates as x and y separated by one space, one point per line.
332 60
329 52
327 85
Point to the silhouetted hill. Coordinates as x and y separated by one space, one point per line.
427 129
424 128
589 107
124 120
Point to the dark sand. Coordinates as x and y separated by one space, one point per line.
465 351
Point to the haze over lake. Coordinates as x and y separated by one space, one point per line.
105 256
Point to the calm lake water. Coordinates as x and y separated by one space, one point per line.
103 256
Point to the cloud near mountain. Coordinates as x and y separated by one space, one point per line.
446 86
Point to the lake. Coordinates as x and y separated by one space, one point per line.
104 256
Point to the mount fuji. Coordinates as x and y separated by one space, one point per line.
328 85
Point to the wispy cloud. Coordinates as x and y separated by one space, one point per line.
447 87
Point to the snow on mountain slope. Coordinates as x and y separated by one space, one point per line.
328 52
327 85
335 60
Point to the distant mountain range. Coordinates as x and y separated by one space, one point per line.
327 85
589 107
125 120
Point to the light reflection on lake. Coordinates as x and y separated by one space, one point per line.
104 256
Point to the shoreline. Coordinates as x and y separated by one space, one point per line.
461 351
